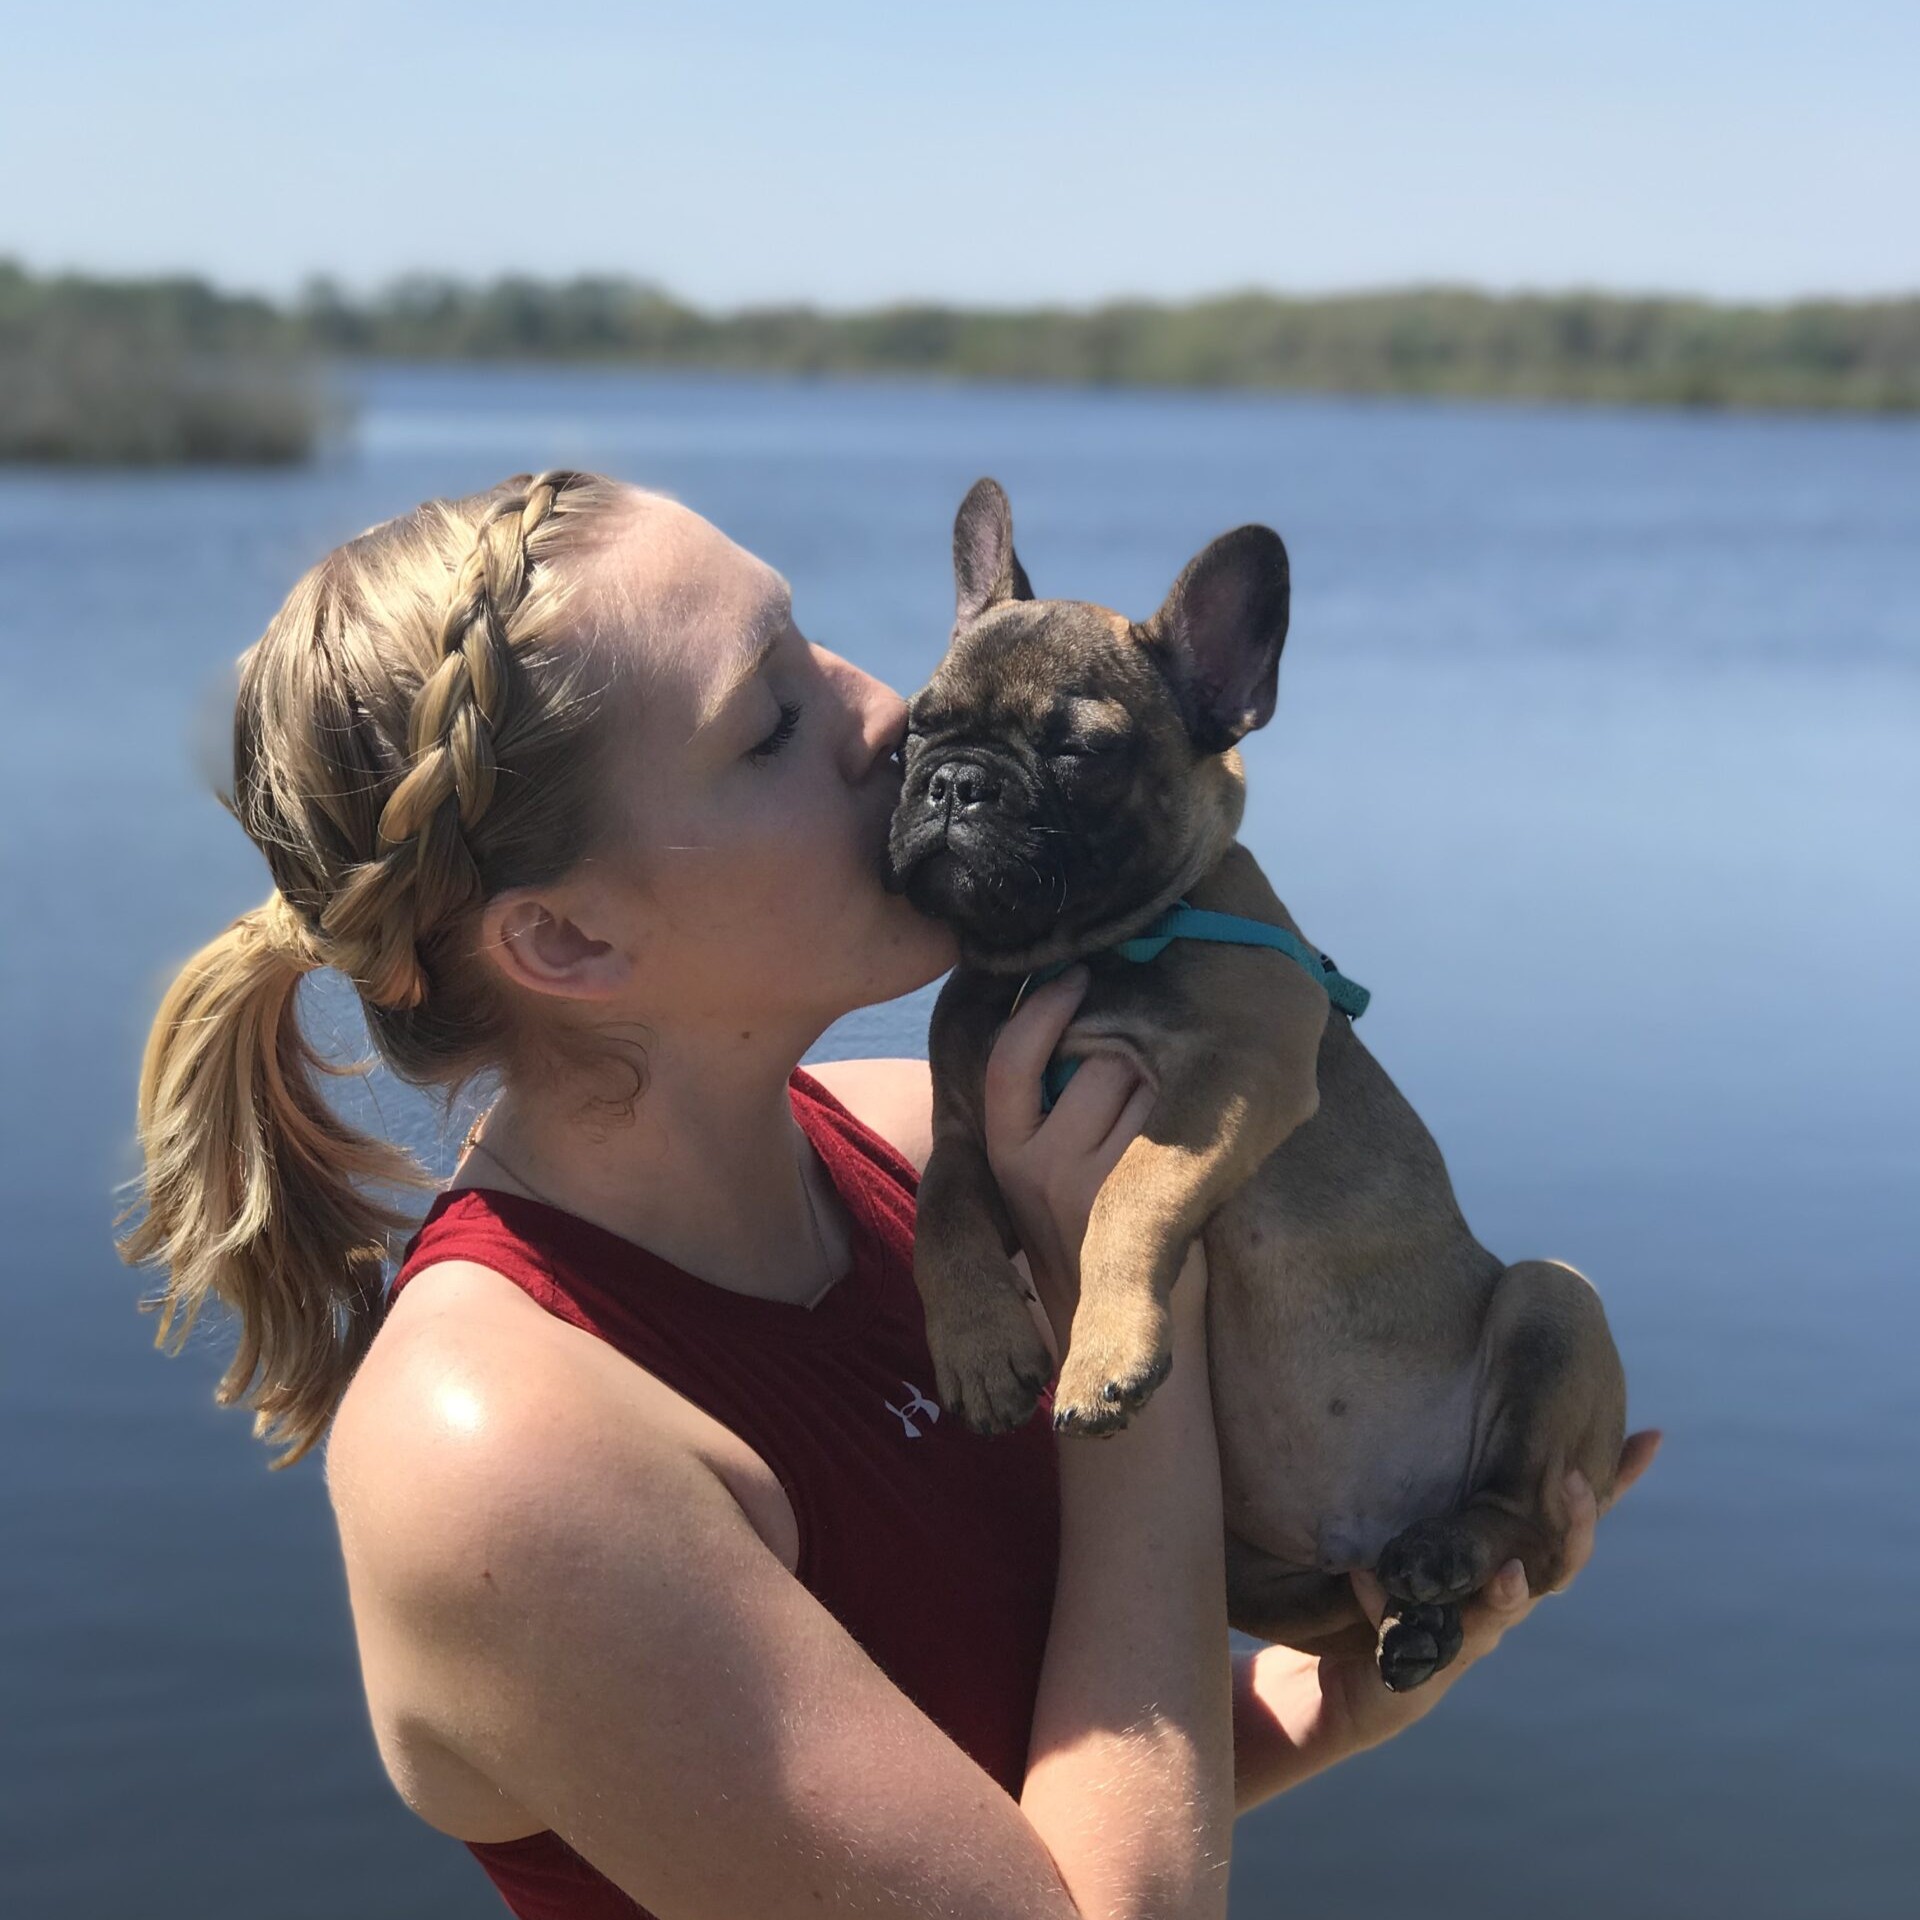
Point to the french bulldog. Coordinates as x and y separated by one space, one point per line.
1387 1393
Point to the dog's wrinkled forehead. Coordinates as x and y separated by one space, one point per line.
1023 667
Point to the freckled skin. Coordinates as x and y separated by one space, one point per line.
1387 1393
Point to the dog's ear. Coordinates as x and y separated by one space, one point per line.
986 570
1219 633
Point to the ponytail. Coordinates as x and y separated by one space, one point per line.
253 1186
420 727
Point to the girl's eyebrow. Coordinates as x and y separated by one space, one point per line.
762 636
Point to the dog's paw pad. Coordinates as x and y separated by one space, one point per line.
1416 1643
1430 1562
1097 1400
991 1387
993 1399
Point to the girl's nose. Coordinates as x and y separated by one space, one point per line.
880 720
893 725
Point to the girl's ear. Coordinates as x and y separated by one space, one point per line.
539 946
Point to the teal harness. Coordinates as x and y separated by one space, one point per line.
1184 922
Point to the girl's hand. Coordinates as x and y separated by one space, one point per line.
1297 1713
1049 1166
1365 1712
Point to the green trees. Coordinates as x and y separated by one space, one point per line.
152 372
173 370
1579 345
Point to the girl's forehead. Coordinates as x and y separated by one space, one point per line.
690 608
713 636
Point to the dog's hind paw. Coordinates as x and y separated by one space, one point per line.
1434 1560
1415 1643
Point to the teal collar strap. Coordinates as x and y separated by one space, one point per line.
1184 922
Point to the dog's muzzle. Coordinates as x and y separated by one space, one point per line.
961 846
945 809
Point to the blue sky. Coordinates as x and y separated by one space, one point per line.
982 152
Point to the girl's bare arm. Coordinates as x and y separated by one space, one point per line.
570 1600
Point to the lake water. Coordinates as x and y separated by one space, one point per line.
1595 759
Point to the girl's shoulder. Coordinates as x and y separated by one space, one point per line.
465 1358
475 1419
892 1097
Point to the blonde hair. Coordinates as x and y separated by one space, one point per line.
418 729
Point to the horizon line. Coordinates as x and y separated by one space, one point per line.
371 287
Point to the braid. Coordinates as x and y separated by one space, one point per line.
427 872
438 655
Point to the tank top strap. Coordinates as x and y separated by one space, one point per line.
823 1114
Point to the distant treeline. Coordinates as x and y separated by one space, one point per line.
174 370
1431 340
152 372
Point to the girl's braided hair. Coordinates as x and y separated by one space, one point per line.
419 728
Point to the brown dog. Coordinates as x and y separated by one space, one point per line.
1387 1393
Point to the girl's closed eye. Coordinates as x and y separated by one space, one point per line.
781 734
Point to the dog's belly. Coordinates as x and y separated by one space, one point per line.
1323 1490
1335 1433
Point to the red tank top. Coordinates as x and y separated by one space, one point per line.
933 1546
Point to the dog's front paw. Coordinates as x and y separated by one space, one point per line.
990 1365
1416 1642
1434 1560
1106 1376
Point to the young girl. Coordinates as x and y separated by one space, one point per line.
673 1589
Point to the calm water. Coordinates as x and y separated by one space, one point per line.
1595 759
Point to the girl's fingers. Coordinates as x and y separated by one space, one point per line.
1093 1103
1506 1593
1131 1118
1370 1593
1635 1458
1020 1054
1582 1511
1503 1602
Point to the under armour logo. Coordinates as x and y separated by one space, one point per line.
918 1404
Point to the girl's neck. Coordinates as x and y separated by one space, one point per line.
711 1174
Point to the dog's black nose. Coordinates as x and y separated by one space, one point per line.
959 785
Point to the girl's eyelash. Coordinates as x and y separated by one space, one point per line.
778 738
